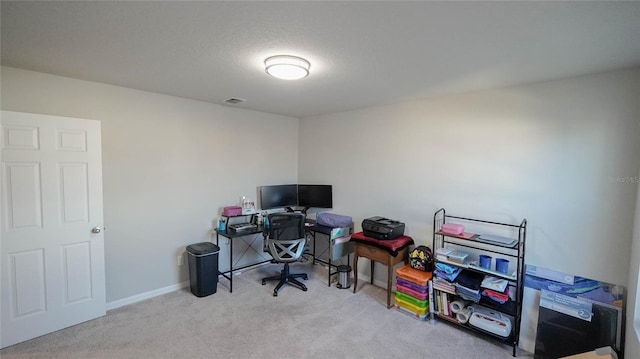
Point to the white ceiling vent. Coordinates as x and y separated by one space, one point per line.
235 101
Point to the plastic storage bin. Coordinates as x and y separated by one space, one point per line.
408 291
412 300
203 268
421 317
413 275
418 311
409 284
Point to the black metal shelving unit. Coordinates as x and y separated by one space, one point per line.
512 308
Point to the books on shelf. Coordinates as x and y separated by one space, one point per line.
442 304
445 303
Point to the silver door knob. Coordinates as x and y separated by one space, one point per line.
96 230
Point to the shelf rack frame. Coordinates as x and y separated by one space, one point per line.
517 251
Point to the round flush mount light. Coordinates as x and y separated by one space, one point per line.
287 67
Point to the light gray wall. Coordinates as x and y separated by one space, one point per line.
550 152
632 343
169 166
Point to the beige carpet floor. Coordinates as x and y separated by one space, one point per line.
324 322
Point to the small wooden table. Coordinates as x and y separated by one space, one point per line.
377 253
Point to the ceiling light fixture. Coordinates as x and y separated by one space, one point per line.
287 67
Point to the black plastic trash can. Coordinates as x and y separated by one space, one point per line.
203 268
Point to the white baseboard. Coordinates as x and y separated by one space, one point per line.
363 278
366 278
172 288
143 296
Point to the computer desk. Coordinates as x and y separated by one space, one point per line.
310 228
232 237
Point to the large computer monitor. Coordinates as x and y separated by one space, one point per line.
279 196
559 335
318 196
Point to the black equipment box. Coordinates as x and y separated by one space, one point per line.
382 228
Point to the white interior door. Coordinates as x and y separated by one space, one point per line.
52 246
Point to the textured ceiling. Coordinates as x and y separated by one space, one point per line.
362 54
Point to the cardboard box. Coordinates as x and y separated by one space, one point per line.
600 353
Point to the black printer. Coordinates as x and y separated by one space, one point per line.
382 228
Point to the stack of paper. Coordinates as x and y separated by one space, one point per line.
441 253
444 285
493 283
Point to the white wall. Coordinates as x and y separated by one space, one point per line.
550 152
169 166
632 343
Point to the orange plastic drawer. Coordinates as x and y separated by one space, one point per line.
413 275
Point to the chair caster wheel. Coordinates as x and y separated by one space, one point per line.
304 289
305 277
275 294
264 282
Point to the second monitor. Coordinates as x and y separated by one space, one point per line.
315 195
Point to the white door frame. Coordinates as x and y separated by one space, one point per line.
52 254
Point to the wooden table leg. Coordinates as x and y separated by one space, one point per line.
373 264
389 278
355 272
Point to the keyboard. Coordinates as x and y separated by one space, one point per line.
242 227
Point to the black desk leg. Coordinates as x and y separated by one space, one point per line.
314 249
230 262
329 279
220 273
230 266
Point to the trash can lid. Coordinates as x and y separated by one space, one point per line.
344 268
202 248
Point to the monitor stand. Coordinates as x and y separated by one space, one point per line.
302 210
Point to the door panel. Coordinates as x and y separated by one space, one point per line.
74 198
76 260
23 195
21 137
52 265
27 283
71 140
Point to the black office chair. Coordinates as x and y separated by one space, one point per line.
286 243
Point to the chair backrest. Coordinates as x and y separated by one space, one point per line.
286 238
